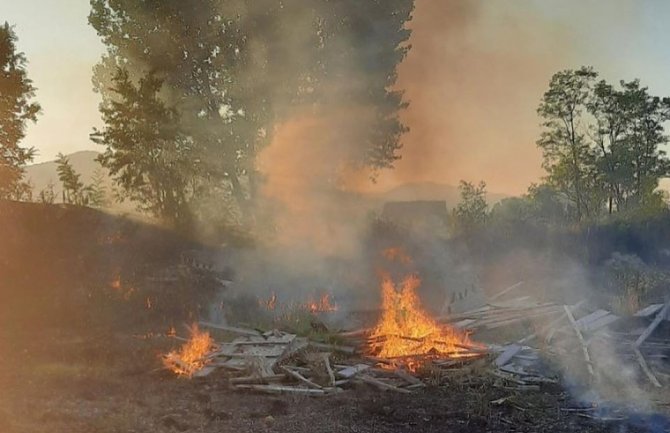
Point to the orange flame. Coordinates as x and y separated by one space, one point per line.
322 305
406 330
270 303
192 356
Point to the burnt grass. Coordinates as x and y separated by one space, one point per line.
77 356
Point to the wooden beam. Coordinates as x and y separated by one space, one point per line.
585 349
660 316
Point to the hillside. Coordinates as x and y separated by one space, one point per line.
84 163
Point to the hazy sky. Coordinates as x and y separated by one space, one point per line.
474 78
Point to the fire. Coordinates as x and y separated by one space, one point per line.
270 303
321 305
192 356
405 330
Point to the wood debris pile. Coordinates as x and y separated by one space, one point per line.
280 362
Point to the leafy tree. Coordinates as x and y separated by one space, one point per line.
232 70
96 192
47 195
628 132
602 145
145 153
16 109
73 188
471 213
568 157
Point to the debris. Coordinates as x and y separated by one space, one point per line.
352 371
660 316
508 354
507 290
646 369
585 349
301 378
382 385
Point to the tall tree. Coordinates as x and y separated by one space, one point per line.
146 154
568 157
73 187
471 213
231 70
16 109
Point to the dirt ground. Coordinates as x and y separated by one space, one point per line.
57 381
74 356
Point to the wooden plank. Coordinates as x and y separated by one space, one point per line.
352 371
649 310
333 347
282 389
329 369
301 378
660 316
550 326
256 379
600 323
590 318
585 349
507 290
408 377
232 329
509 353
382 385
646 369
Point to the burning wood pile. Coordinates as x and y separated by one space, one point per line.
407 345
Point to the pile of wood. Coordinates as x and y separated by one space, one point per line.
279 362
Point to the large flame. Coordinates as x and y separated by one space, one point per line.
192 356
406 330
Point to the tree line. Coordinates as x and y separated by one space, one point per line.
192 91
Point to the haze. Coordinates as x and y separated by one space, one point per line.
474 77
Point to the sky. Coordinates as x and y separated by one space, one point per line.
474 77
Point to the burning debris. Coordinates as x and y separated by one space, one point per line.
406 334
192 357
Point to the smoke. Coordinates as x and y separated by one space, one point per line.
474 78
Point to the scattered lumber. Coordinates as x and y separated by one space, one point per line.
509 353
381 385
507 290
646 369
580 337
282 389
232 329
660 316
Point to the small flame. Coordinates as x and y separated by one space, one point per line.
270 303
192 356
322 305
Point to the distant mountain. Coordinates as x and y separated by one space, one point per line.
431 191
84 163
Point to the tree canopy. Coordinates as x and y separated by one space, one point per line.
217 76
17 108
602 144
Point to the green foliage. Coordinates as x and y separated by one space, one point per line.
73 187
213 78
47 195
16 109
629 279
602 144
146 153
471 213
97 190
